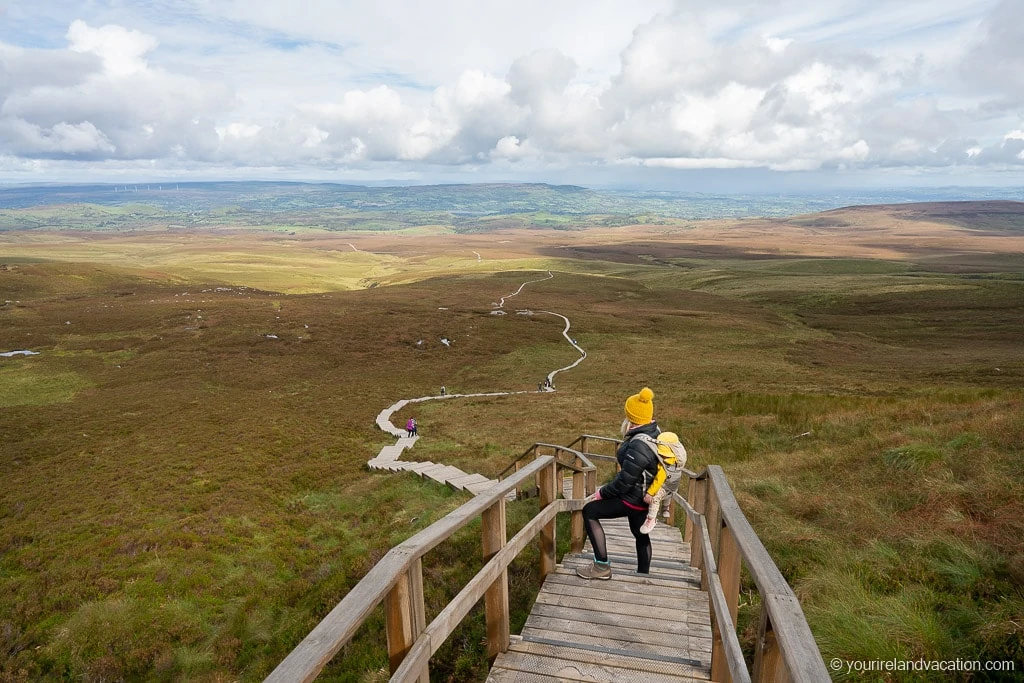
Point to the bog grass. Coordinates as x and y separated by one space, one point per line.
185 496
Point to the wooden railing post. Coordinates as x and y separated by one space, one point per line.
546 483
713 514
691 497
579 485
496 597
729 570
697 554
719 663
769 666
419 613
400 620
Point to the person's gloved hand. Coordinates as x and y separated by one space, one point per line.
596 495
648 498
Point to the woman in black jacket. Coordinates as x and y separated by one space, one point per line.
624 496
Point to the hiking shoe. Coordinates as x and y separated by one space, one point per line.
596 570
648 525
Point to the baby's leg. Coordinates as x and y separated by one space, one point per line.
652 512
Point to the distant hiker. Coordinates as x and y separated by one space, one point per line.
624 496
540 386
671 460
410 427
444 392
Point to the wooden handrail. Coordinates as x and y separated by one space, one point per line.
719 536
587 464
724 630
310 656
444 623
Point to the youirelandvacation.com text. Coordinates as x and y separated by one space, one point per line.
851 666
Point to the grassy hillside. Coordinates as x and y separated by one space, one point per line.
186 496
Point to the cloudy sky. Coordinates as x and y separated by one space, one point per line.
601 92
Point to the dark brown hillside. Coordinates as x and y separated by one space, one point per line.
986 216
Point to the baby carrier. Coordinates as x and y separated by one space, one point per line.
674 473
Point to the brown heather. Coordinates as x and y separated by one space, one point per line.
184 497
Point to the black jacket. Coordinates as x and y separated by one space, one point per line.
638 466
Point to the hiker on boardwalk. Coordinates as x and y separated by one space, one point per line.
444 391
410 427
624 496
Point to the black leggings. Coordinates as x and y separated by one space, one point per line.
597 510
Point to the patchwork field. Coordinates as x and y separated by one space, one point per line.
185 492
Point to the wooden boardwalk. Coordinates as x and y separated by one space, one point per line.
650 628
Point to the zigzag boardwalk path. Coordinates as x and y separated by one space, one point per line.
389 456
632 628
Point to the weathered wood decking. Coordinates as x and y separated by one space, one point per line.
631 628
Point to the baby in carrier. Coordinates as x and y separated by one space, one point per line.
671 461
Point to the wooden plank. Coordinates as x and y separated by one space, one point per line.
593 614
659 552
628 539
621 592
575 587
511 676
620 526
696 614
572 670
430 471
479 487
624 571
668 665
669 565
573 628
452 474
698 649
463 483
623 578
660 534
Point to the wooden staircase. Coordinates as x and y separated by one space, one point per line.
654 627
676 623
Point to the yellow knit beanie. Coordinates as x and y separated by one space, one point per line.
640 407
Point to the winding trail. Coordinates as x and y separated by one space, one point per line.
388 458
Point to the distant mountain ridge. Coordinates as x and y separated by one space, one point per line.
470 207
991 215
